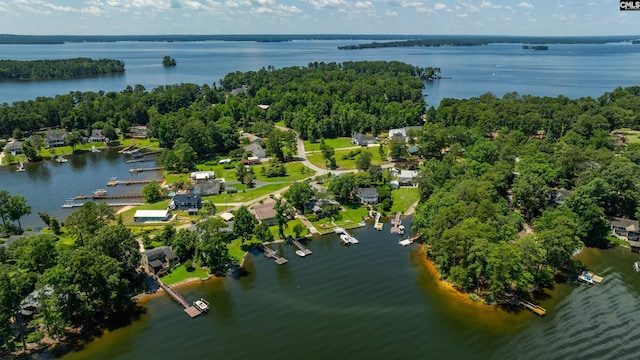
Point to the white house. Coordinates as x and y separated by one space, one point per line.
406 177
151 216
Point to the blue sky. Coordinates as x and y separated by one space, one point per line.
499 17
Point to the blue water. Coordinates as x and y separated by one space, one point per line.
570 70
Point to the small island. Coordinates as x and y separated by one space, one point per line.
168 61
535 47
58 69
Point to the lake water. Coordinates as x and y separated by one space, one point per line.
571 70
372 300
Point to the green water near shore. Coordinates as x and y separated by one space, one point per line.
379 300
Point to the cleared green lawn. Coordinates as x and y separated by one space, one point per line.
287 230
403 198
180 274
295 171
237 249
348 164
338 143
347 219
632 136
245 196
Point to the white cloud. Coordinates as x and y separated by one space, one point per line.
364 5
390 13
439 6
525 5
464 15
488 4
321 4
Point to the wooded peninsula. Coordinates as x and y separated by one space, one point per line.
58 69
509 187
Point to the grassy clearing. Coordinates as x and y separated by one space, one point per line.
287 230
632 136
295 171
245 196
180 274
338 143
237 249
348 164
349 218
403 198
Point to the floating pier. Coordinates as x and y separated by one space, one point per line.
378 225
128 148
270 253
190 310
137 170
72 203
537 309
345 236
301 247
396 225
128 182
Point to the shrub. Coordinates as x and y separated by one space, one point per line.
188 265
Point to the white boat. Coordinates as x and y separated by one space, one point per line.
345 239
95 150
201 305
636 266
405 242
20 167
353 240
401 230
60 159
300 253
585 277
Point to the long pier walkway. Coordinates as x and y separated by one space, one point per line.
190 310
350 238
537 309
270 253
396 225
128 182
137 170
301 247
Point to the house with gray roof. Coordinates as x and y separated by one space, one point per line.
256 150
362 139
157 260
55 138
367 195
13 148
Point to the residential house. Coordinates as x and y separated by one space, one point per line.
367 195
241 90
202 175
251 138
323 208
208 187
558 196
626 229
138 132
362 139
401 134
407 177
142 216
55 138
394 184
29 305
189 202
14 148
96 136
265 213
157 260
256 150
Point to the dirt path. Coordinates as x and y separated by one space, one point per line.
412 208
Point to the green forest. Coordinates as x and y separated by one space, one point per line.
514 153
58 69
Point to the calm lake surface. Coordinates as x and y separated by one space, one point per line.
375 300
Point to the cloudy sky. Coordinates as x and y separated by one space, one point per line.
134 17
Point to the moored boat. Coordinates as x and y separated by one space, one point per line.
300 253
585 277
636 266
201 305
20 167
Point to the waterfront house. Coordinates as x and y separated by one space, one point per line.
367 195
55 138
362 139
157 260
13 148
142 216
407 177
323 208
558 196
138 132
256 150
626 229
189 202
208 187
202 175
29 305
265 213
96 136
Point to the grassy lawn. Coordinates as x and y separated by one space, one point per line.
295 171
348 164
245 196
403 198
349 218
338 143
64 239
632 136
287 230
237 249
180 273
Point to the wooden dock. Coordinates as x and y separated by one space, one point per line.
137 170
301 247
128 182
537 309
190 310
396 225
270 253
133 144
378 225
117 196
